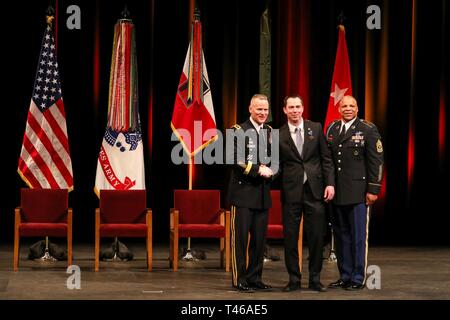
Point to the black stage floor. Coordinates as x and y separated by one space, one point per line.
417 273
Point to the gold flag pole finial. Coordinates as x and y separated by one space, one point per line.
50 15
341 19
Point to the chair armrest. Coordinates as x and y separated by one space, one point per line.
222 216
174 218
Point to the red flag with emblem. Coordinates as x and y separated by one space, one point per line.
341 85
193 112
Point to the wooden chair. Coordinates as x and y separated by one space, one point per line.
43 212
197 214
123 213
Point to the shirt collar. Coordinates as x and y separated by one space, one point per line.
292 127
257 126
348 124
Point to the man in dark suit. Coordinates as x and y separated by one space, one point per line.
358 157
249 195
307 182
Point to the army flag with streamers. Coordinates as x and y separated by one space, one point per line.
120 164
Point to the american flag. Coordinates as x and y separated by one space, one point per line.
45 157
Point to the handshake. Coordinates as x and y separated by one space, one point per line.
265 172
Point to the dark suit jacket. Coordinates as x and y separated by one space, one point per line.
247 189
315 160
358 158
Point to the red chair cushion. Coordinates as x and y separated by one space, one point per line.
275 232
44 205
43 229
123 206
126 230
275 213
201 231
198 206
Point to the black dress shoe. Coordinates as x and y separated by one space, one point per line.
292 286
259 285
339 284
355 286
317 287
243 287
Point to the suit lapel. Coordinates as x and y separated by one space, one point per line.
306 136
290 142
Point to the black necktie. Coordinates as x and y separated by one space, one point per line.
342 131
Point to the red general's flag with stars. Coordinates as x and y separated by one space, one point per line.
120 164
45 156
341 85
193 110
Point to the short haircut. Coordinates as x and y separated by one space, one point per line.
259 96
292 96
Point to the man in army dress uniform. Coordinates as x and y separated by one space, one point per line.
249 196
358 158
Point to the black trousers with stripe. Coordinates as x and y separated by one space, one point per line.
243 222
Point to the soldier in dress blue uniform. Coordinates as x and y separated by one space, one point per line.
249 196
358 158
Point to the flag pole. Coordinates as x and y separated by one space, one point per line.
332 256
189 255
190 171
50 16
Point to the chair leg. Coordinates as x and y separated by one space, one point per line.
149 251
149 255
69 249
16 240
222 251
69 237
171 250
97 253
97 240
16 251
175 252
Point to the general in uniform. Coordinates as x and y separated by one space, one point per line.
249 196
357 153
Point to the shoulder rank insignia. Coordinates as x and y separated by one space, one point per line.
367 123
269 127
236 126
379 146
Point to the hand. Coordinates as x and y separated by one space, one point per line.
370 198
265 172
328 194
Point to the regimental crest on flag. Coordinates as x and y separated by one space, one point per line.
120 163
45 160
193 102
